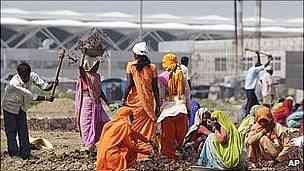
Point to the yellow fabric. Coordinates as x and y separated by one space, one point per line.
231 152
176 79
247 122
41 143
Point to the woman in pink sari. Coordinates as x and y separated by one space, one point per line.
90 115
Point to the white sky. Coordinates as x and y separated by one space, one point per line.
270 9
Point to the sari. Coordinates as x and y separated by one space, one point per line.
272 145
248 122
140 99
194 107
118 147
90 115
222 156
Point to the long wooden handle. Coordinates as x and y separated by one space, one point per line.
263 53
61 56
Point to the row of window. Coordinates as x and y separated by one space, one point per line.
220 64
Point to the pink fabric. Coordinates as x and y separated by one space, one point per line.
221 136
90 114
163 78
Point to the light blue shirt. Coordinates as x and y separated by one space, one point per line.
252 77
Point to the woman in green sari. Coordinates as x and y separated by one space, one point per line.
223 148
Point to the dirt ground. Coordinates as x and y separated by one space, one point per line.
64 156
55 122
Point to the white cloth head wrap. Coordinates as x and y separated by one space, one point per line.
140 48
198 119
89 63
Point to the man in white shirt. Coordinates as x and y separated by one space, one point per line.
251 80
184 66
267 87
14 109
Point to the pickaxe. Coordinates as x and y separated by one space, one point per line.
61 56
260 52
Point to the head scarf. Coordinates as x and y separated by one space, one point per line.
112 135
268 68
140 48
198 120
231 152
89 63
264 113
123 113
176 80
254 109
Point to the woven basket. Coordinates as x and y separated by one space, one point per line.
94 52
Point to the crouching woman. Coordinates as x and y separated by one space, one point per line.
267 140
223 148
118 148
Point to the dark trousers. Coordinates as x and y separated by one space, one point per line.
17 124
251 100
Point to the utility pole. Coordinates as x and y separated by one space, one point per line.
258 14
240 35
236 38
141 19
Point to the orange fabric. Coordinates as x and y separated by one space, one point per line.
173 129
264 113
176 79
117 149
144 125
142 94
140 99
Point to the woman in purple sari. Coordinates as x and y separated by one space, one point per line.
90 115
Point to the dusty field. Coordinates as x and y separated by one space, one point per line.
65 156
55 122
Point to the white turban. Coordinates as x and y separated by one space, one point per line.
268 68
140 48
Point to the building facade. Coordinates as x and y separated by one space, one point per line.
213 61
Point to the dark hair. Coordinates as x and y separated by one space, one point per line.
142 61
184 60
24 68
282 99
257 64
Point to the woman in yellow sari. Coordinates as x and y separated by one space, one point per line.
140 90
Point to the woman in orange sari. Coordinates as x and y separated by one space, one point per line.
118 147
141 82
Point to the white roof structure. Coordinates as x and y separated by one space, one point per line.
179 27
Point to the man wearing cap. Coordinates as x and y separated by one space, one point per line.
267 87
